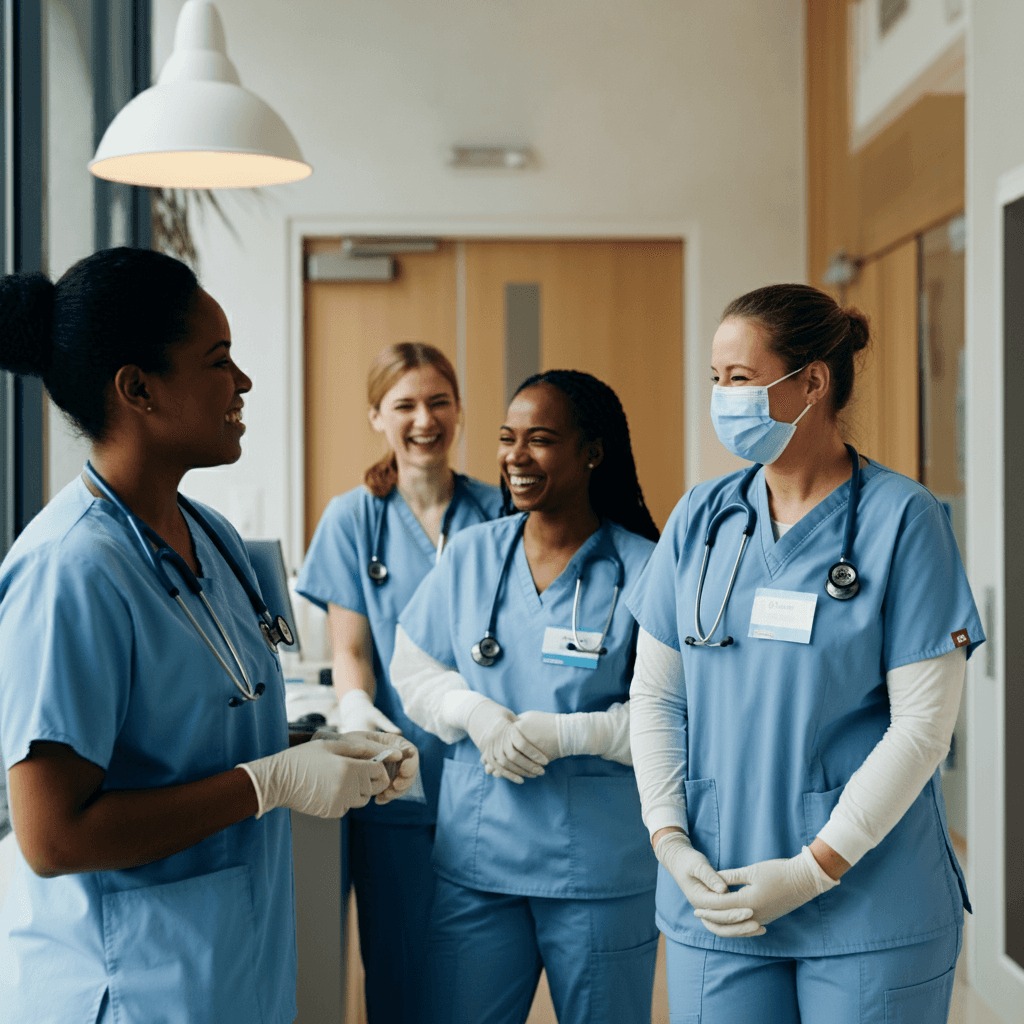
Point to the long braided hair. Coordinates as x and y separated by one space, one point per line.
615 492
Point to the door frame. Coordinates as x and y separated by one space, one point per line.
300 228
994 974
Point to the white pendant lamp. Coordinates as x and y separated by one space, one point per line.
197 127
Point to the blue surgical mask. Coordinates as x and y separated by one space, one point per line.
744 425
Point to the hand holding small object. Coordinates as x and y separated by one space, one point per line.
399 758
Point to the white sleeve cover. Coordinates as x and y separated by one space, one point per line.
657 697
423 684
924 699
605 733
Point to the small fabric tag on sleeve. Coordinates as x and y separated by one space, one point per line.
960 638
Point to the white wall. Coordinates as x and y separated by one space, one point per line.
646 115
995 147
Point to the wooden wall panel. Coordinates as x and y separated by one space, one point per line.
346 325
908 178
883 417
614 309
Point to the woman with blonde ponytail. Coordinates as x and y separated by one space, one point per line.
370 551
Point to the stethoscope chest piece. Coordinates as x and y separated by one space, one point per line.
486 651
377 570
843 581
277 632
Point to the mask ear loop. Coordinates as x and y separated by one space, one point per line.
801 416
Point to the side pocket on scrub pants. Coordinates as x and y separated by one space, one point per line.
186 948
920 1004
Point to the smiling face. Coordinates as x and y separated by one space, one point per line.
197 403
740 357
419 417
542 455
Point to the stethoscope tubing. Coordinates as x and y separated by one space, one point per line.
377 570
704 640
148 538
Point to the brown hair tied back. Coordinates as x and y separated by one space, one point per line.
390 366
802 325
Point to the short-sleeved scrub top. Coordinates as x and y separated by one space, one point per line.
774 728
335 572
94 654
576 831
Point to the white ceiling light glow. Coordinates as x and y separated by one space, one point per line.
197 127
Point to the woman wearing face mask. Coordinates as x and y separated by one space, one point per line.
370 551
793 748
154 874
517 649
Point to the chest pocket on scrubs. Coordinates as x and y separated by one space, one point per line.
183 951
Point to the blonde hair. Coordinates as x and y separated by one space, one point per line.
390 366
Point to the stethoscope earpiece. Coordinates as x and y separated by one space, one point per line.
842 582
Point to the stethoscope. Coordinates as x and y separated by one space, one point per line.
486 651
376 569
842 581
274 630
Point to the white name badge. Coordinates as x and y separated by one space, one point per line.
556 649
782 615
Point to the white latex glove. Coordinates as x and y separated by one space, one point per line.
324 778
772 888
705 888
402 762
505 754
539 728
357 713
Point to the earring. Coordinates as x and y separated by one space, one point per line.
149 408
590 465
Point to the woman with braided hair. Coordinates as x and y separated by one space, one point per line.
517 650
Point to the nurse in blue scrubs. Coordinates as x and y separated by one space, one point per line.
787 735
517 649
370 551
148 786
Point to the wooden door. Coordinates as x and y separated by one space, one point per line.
883 418
347 324
612 308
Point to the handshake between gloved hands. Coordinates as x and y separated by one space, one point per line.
770 888
335 772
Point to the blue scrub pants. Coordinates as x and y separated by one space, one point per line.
389 865
487 950
904 985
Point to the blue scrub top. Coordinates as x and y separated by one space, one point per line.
774 729
335 572
576 831
95 654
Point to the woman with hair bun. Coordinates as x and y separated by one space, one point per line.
517 650
144 730
804 630
370 551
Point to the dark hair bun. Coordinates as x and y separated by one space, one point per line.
26 323
860 332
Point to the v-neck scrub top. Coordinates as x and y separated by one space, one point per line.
94 654
334 572
773 729
576 831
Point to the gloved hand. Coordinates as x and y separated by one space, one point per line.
772 888
324 778
402 762
540 729
357 713
706 889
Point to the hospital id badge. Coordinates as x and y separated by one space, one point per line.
782 615
560 648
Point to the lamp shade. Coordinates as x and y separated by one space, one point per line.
197 127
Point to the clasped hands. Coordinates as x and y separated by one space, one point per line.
513 747
770 888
